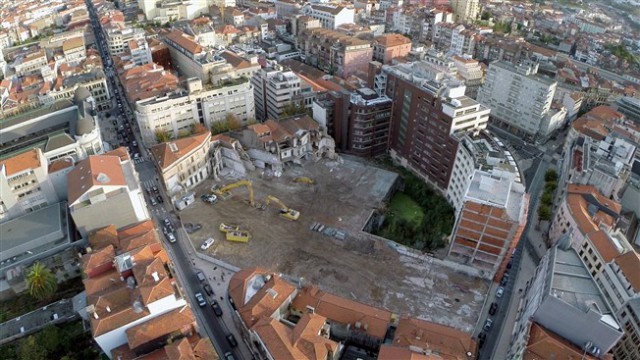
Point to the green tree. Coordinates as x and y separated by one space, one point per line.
544 213
162 136
219 127
485 15
41 282
293 109
547 198
29 348
233 123
551 175
550 186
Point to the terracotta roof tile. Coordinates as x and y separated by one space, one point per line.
375 321
60 164
181 319
544 344
629 263
448 342
390 352
96 170
391 40
169 153
185 41
27 160
604 245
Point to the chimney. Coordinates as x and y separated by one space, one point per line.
155 276
108 309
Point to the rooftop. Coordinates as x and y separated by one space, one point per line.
168 153
448 342
497 189
96 170
27 160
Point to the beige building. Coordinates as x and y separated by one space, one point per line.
25 184
185 163
105 190
465 10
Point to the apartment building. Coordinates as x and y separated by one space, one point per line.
334 52
119 36
470 71
563 298
187 162
189 58
423 337
520 99
466 11
286 9
429 107
178 111
25 185
490 223
135 305
331 16
390 46
105 190
30 63
630 107
275 88
74 50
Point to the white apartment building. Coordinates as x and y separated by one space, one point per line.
470 71
105 190
276 88
519 98
466 11
25 185
286 9
31 63
330 16
178 111
140 52
118 38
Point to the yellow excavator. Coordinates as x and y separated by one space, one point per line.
285 211
223 192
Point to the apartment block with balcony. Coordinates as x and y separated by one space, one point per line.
187 162
105 190
519 98
390 46
471 72
490 223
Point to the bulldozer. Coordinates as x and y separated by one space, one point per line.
285 211
223 192
304 180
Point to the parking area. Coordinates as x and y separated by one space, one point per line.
359 266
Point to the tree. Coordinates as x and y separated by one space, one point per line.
41 282
162 136
184 133
219 127
30 349
551 175
544 213
233 123
547 198
292 109
198 128
485 15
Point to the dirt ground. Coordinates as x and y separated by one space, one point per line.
358 267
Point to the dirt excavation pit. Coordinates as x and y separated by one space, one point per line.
352 263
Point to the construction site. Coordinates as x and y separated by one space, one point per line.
307 222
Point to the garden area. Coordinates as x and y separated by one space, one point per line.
418 216
65 342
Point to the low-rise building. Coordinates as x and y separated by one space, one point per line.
105 190
390 46
187 162
424 337
331 16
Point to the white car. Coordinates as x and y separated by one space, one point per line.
171 237
200 300
206 244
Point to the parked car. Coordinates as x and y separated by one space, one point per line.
206 244
191 228
200 276
500 292
493 308
232 340
200 299
487 325
153 201
229 356
167 222
216 308
171 238
160 199
505 279
207 288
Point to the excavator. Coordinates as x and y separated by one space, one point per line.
223 192
285 211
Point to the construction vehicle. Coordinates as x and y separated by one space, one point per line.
285 211
226 228
304 180
238 236
223 192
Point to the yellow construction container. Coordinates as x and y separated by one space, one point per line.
303 179
226 228
238 236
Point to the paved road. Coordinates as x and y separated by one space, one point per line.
528 254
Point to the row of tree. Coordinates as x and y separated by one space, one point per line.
65 342
546 200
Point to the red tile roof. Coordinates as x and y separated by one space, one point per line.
169 153
95 171
449 343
